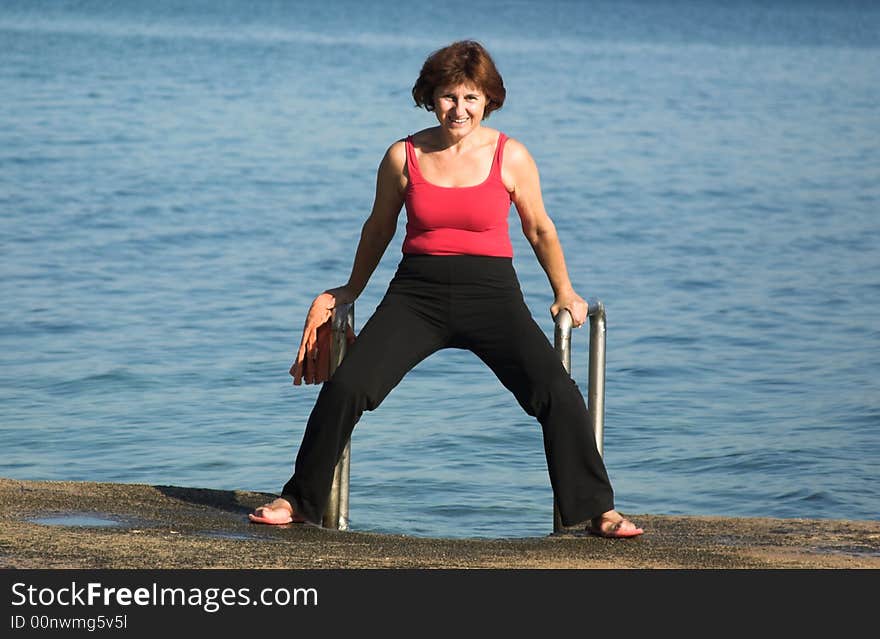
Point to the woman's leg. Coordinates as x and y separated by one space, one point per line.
504 335
400 334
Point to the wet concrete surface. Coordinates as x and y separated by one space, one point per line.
105 525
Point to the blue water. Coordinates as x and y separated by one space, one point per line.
179 180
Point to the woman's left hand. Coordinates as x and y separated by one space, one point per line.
574 304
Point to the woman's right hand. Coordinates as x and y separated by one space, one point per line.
312 362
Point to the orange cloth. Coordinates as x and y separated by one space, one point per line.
312 363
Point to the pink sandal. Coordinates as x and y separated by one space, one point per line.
277 521
614 530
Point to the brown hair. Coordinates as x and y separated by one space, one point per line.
462 62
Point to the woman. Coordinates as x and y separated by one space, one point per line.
454 288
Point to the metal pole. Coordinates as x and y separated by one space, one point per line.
562 339
595 373
336 514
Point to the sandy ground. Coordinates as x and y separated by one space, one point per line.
168 527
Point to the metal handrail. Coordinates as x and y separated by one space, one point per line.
595 373
336 514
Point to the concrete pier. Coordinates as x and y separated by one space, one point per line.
104 525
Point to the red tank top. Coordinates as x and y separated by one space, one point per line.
467 220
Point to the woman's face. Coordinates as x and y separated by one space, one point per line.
459 108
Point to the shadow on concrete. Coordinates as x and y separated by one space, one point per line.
226 500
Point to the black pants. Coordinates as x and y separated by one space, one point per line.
458 301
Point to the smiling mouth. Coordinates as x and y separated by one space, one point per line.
460 120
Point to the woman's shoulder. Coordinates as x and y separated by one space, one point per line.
515 152
518 167
395 155
510 141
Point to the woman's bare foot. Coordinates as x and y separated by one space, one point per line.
614 525
279 511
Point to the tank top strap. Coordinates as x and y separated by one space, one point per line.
412 164
499 156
